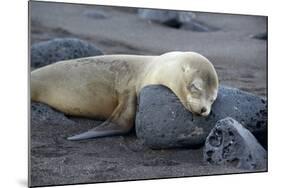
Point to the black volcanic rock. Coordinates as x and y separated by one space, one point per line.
176 19
260 36
229 143
163 122
47 52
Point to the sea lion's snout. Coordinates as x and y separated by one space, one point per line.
204 111
199 110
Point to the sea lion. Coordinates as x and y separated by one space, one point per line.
107 86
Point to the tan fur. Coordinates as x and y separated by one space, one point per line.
106 86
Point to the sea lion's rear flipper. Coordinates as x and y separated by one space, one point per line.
120 122
105 129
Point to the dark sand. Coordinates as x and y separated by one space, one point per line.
54 160
240 61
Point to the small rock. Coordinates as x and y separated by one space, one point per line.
44 53
95 14
176 19
229 143
163 122
198 26
160 16
260 36
169 18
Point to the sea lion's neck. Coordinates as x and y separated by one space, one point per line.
164 73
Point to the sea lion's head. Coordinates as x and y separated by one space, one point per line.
200 82
191 77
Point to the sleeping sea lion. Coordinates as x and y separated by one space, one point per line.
107 86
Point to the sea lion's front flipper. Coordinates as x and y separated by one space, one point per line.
120 122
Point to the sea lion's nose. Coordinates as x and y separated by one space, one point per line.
203 110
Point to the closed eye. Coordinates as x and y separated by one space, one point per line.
194 88
195 91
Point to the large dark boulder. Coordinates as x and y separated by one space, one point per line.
229 143
163 122
47 52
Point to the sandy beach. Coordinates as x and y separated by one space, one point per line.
240 60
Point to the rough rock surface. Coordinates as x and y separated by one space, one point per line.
47 52
163 122
229 143
176 19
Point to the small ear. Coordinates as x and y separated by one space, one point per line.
185 68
